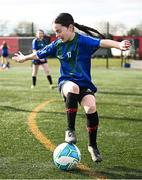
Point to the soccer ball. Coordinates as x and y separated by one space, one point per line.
66 156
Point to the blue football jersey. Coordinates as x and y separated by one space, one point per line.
4 51
38 44
75 58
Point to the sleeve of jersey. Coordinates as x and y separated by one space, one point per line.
91 44
34 44
49 50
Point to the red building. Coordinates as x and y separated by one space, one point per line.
24 44
12 42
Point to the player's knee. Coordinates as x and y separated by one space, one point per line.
74 89
70 87
34 74
90 109
47 72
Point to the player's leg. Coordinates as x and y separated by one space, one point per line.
89 104
70 91
34 74
3 62
7 62
47 72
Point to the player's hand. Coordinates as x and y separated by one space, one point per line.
124 45
19 57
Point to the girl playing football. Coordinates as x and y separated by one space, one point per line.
4 58
39 43
74 52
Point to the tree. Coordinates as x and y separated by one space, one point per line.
111 29
3 27
25 28
137 31
118 29
134 32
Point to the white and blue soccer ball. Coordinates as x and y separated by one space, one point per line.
66 156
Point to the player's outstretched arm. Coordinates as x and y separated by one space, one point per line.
19 57
123 45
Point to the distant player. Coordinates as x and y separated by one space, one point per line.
38 43
74 52
4 58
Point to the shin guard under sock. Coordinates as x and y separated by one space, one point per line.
92 126
71 109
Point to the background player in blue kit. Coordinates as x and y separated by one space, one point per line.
74 52
38 43
4 58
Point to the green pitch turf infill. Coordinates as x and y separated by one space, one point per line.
119 105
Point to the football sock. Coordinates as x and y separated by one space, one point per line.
71 109
49 79
92 126
34 80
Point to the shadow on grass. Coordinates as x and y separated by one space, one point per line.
120 93
119 104
121 172
9 108
86 173
14 109
120 118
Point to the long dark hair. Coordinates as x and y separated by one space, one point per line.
4 44
65 19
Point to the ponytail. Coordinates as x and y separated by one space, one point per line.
65 19
88 30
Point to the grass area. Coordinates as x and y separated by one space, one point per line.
97 62
119 137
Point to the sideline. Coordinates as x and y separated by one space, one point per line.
48 144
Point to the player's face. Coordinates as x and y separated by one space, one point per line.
62 32
40 34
